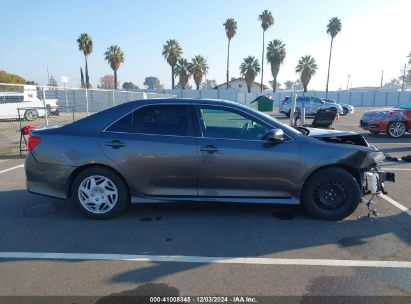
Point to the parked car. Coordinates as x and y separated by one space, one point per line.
347 108
30 107
393 121
182 150
311 104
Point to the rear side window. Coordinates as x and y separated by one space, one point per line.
157 119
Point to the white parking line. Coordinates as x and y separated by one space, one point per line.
396 204
204 260
12 168
397 169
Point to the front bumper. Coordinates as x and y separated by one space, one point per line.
374 125
47 179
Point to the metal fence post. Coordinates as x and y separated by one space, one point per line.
87 102
114 102
45 108
362 99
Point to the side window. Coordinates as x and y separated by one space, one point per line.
124 124
221 123
156 119
163 120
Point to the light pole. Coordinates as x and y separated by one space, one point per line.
403 77
64 80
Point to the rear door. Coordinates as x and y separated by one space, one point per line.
155 148
235 161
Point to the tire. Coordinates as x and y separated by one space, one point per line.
102 202
31 115
345 111
331 194
396 129
288 114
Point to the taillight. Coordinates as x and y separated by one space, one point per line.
33 142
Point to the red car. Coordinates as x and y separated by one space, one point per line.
393 121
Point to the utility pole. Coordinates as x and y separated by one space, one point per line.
403 77
348 81
382 78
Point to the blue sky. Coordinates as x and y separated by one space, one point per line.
375 37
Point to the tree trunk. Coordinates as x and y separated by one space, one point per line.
172 77
87 78
275 84
305 88
262 64
329 64
228 62
115 79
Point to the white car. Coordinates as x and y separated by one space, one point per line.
26 104
347 109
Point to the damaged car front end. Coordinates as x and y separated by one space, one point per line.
363 160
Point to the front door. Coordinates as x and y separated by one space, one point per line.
235 161
155 147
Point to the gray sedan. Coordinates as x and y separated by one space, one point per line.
177 150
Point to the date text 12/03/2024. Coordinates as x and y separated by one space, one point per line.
204 299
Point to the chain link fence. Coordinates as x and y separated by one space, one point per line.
37 106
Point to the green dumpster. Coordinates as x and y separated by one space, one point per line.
264 103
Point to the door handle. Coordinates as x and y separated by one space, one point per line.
210 149
115 144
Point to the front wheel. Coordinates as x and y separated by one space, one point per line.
396 129
100 193
345 111
331 194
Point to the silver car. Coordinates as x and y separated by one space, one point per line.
182 150
347 108
311 105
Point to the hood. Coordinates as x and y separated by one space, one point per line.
335 136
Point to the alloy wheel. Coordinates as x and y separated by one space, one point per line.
97 194
396 129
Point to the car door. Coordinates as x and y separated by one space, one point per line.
317 104
235 161
155 148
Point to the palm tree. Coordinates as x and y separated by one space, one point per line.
267 20
115 57
249 69
275 56
172 51
199 67
230 30
184 70
333 28
85 44
306 68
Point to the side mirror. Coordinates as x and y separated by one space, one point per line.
274 135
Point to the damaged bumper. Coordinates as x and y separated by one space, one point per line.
373 181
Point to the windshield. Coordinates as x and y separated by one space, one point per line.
283 126
406 106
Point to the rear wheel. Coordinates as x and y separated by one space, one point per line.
288 114
396 129
100 193
31 115
331 194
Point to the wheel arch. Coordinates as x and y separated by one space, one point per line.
353 171
80 169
